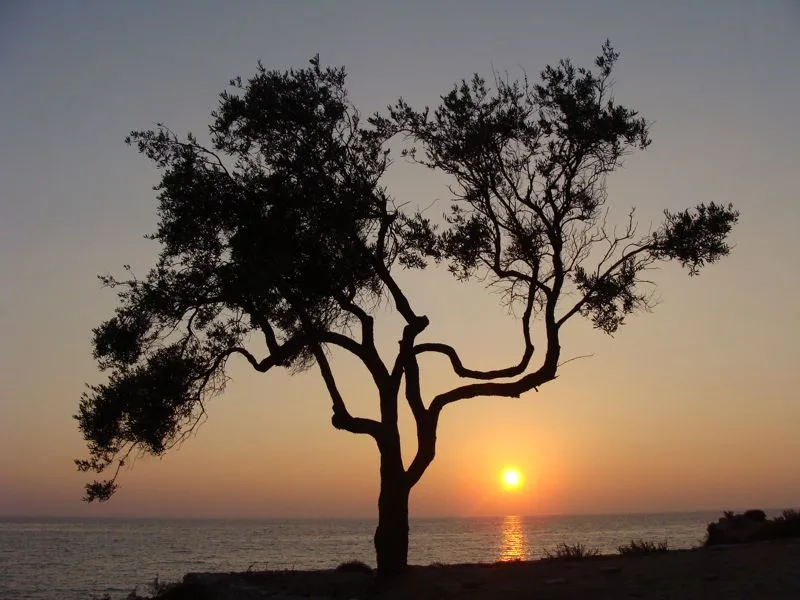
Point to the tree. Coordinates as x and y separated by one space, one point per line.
281 229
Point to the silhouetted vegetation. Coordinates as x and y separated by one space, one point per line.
566 551
787 525
752 526
642 547
279 227
354 566
769 570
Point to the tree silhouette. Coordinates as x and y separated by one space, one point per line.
282 229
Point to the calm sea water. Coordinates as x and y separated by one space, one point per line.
71 559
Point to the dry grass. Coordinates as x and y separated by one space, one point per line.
571 552
643 547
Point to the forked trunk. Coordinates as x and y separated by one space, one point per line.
391 536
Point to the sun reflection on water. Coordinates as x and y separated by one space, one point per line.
514 542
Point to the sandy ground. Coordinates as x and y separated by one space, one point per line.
758 571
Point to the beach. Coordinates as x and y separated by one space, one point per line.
760 570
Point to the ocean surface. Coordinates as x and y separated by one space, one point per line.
72 559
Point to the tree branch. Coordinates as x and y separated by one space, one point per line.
342 419
545 373
514 389
425 421
458 366
407 365
626 256
368 356
426 447
367 321
400 301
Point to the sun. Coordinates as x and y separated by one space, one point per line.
511 478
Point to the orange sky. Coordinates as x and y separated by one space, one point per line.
693 406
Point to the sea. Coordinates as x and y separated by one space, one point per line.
84 559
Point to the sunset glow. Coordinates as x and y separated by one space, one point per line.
652 419
511 478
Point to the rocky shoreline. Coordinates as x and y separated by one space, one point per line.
766 570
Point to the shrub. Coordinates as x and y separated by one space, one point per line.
752 526
787 525
641 547
354 566
570 552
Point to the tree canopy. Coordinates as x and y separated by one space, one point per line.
281 228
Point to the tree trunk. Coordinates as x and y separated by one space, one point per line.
391 536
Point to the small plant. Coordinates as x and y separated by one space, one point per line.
253 567
566 551
642 547
354 566
157 586
508 561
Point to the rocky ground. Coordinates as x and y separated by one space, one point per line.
759 570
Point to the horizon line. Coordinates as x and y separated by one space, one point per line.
371 517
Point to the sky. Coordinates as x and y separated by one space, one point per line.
693 406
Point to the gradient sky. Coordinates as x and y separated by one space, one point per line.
693 406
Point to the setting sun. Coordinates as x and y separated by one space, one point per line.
511 478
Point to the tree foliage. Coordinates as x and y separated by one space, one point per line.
282 229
